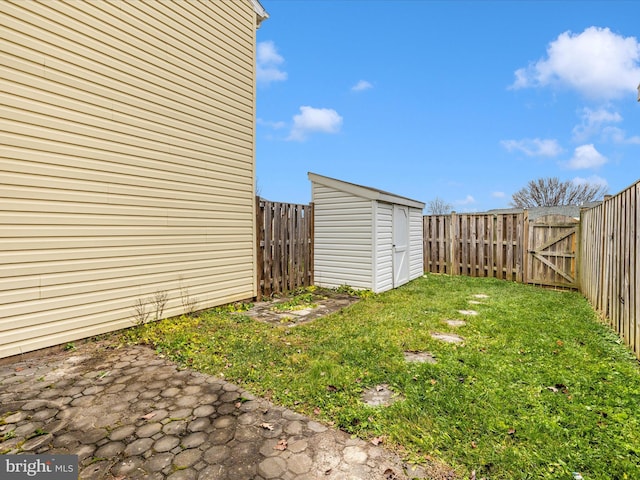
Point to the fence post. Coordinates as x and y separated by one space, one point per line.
260 245
425 260
603 235
311 240
578 250
453 246
525 247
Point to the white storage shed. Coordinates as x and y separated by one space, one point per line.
364 237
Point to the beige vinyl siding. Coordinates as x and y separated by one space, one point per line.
343 244
415 244
384 247
126 162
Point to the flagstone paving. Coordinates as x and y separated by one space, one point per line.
325 303
455 323
447 337
129 414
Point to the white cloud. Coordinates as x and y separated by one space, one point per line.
271 124
586 156
599 123
593 179
467 201
311 119
593 122
498 194
618 135
534 147
268 64
597 63
361 85
597 117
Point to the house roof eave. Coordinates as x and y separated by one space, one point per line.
260 12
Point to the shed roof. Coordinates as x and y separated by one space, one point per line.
364 192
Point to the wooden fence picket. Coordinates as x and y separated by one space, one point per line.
284 246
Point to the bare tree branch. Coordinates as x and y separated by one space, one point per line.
438 206
549 192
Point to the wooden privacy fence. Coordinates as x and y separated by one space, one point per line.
476 245
609 265
284 246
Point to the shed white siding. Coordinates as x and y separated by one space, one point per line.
126 163
354 232
343 245
384 247
416 247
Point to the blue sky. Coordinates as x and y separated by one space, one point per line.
462 100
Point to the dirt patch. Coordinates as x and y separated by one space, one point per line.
318 304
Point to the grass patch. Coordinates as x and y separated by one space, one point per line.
539 389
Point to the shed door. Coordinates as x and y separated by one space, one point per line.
400 245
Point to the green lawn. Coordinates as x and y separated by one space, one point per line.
538 389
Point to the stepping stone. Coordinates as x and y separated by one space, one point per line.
481 295
467 312
419 357
474 302
448 337
380 395
456 323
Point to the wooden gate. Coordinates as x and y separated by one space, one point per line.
552 251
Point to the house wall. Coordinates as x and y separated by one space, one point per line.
383 238
126 164
343 243
416 248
